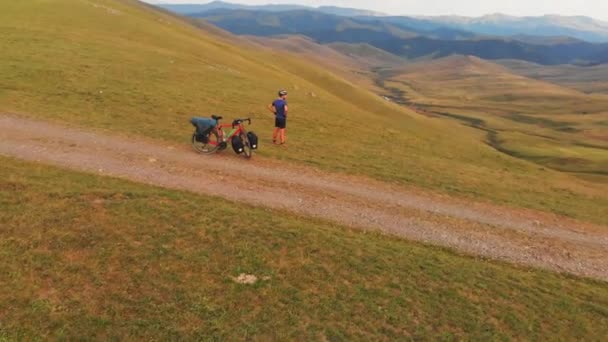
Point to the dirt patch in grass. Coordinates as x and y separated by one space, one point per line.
11 186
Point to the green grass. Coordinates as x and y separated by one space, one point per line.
561 155
87 257
593 79
123 67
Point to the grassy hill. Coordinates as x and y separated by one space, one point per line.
591 79
123 66
468 78
555 126
305 47
354 62
354 57
368 54
90 257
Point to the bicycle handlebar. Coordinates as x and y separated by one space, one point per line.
238 121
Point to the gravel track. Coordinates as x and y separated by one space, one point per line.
521 236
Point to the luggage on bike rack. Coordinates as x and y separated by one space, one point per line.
237 144
202 137
253 140
203 128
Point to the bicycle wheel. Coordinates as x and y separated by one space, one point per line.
210 147
247 151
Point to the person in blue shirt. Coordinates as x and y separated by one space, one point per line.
279 109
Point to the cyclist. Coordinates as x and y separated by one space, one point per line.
279 109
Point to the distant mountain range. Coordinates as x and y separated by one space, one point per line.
583 28
319 26
579 27
188 9
544 40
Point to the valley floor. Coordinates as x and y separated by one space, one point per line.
517 235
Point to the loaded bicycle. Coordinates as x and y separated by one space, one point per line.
211 137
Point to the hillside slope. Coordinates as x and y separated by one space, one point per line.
478 79
124 66
371 55
558 127
591 79
307 48
358 57
354 62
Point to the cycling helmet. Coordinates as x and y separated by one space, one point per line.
282 92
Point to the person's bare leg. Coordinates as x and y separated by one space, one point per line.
282 135
275 134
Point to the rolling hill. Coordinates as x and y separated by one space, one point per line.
306 47
356 63
369 55
354 68
556 126
491 80
591 79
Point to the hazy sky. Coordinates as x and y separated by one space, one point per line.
594 8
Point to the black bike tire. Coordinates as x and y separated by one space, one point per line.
205 148
246 146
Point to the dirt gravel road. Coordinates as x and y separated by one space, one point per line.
521 236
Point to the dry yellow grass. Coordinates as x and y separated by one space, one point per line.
539 121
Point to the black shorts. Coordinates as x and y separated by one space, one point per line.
280 122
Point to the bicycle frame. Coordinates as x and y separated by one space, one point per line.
223 137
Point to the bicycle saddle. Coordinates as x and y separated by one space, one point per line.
216 118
